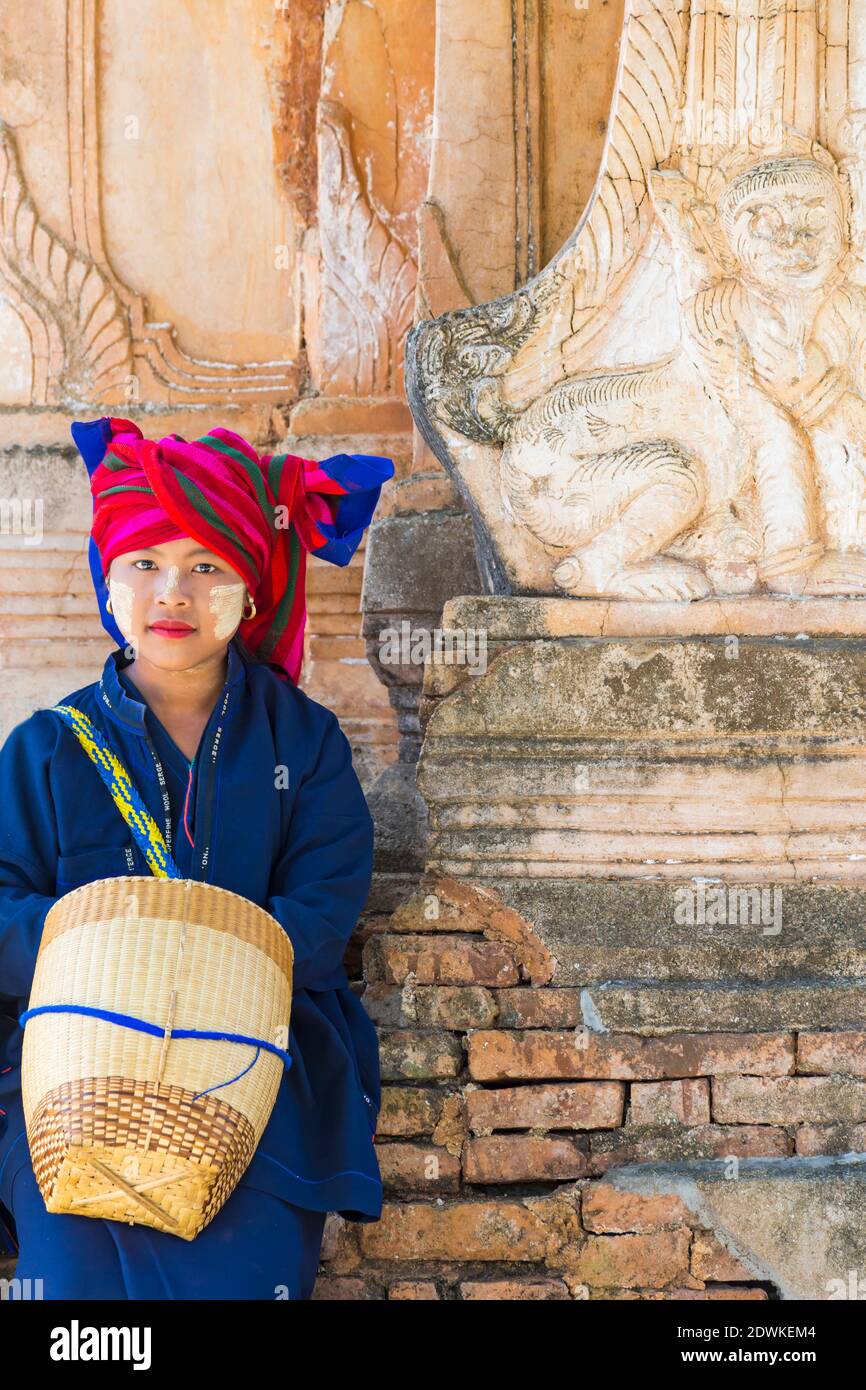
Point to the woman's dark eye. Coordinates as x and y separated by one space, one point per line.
139 564
206 567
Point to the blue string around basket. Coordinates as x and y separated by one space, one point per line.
127 1021
220 1084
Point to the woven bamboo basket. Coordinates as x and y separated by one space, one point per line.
136 1126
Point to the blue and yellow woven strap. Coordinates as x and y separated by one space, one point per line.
147 833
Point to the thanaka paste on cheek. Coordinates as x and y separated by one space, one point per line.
227 605
122 603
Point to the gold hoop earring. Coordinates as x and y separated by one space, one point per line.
248 616
108 607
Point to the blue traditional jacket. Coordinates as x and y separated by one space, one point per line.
273 810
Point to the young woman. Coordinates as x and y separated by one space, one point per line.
198 551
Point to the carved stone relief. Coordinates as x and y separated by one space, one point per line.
676 404
367 285
373 137
87 336
78 330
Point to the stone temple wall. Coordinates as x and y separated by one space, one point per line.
622 1012
593 276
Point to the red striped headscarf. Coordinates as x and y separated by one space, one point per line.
259 513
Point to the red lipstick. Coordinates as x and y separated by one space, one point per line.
171 627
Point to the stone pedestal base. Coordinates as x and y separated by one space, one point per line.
623 1020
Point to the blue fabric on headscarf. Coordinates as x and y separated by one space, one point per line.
91 440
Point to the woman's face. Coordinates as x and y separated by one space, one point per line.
177 604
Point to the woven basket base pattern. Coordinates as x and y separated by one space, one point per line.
136 1152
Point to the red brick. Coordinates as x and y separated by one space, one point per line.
481 1230
455 1007
419 1168
579 1105
524 1158
408 1110
428 912
660 1144
439 960
336 1290
474 908
414 1056
712 1262
537 1055
684 1102
606 1209
740 1295
417 1290
633 1261
337 1236
539 1008
509 1290
385 1005
812 1140
738 1292
829 1052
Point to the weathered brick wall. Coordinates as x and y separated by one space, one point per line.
501 1113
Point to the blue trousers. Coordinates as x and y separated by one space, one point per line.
256 1247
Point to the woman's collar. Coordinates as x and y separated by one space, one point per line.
124 709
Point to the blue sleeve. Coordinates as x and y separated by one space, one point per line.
321 881
28 849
